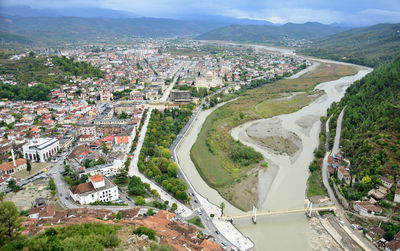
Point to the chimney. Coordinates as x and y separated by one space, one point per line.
13 157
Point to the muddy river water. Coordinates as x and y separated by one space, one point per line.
283 184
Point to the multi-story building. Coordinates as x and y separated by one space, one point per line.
109 169
99 188
40 149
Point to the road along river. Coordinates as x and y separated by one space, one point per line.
283 184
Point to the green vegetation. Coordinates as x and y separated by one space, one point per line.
266 33
52 187
77 68
200 92
12 185
371 128
71 178
391 230
146 231
47 72
88 163
107 203
214 151
10 222
196 221
367 46
90 236
315 186
155 158
136 186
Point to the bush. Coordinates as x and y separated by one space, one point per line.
146 231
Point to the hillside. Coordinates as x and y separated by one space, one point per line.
69 29
371 128
47 72
368 45
266 33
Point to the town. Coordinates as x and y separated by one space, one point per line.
87 138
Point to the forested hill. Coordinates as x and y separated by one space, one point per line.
267 33
48 72
367 46
371 128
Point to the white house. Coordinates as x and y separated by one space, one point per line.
366 208
42 148
99 188
109 169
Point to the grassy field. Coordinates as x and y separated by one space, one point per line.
315 186
212 151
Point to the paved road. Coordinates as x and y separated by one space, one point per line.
348 231
336 144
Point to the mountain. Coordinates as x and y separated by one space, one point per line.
264 33
27 11
224 19
371 129
369 46
69 29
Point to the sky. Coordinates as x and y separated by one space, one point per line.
360 12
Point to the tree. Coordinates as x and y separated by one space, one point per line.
121 177
222 206
104 148
140 201
172 169
136 186
10 222
28 166
12 184
174 206
52 187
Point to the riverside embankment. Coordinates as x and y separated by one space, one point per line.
282 185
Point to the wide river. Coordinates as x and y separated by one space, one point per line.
284 182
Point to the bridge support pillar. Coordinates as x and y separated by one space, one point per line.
254 217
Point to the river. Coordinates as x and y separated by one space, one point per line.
283 185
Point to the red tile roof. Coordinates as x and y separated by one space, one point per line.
96 178
10 165
82 188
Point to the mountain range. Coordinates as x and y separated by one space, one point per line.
370 45
265 33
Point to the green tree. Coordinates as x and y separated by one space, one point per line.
10 222
174 206
136 186
222 206
12 184
140 201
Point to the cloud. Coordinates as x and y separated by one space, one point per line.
279 11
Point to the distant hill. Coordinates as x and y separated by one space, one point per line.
368 46
27 11
268 33
67 29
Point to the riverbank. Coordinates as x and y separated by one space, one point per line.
212 151
286 184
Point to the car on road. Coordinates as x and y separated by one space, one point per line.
195 201
217 232
66 198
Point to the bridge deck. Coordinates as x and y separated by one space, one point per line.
276 212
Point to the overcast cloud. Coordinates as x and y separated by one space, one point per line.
361 12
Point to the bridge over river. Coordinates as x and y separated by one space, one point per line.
256 213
